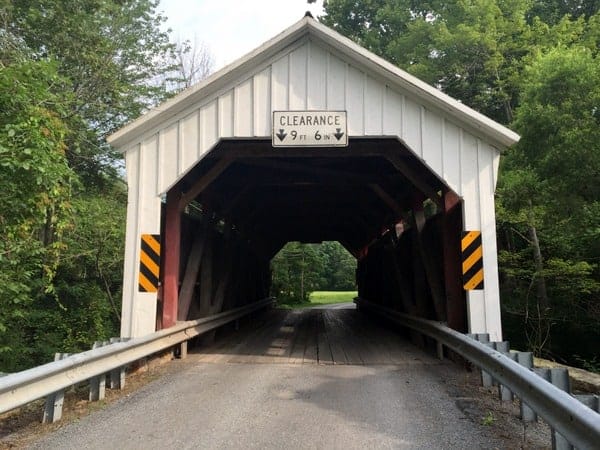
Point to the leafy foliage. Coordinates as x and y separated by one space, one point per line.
70 73
35 181
550 181
113 53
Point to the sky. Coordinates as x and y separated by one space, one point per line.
232 28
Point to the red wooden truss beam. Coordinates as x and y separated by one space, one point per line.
172 248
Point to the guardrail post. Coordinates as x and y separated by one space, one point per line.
183 350
500 346
590 400
117 376
505 393
98 383
484 338
559 377
54 401
480 337
439 350
526 360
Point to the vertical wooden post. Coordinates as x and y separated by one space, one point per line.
456 309
172 248
192 269
207 274
419 273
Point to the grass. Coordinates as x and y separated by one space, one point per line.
318 298
328 297
488 419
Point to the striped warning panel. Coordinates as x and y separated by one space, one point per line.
149 263
472 260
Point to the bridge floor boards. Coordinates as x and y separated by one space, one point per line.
312 336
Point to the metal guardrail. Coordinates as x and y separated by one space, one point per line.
576 422
20 388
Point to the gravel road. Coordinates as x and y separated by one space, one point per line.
420 404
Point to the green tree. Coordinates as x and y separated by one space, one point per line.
35 186
116 58
70 73
297 270
550 196
338 269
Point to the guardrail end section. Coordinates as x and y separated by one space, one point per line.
54 402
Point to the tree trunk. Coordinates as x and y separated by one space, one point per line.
542 294
541 323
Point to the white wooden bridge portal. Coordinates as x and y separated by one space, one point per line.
211 195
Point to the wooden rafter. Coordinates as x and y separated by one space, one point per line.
414 178
204 181
331 176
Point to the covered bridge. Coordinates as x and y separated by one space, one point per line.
217 186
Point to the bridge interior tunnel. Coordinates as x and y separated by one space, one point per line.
229 216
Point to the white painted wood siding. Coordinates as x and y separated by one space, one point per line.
309 77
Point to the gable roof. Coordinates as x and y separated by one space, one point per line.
496 133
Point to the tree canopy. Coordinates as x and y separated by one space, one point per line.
112 52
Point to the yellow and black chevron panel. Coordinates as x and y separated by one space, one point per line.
472 260
149 263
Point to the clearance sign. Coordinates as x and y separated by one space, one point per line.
310 129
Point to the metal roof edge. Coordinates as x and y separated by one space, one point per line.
497 133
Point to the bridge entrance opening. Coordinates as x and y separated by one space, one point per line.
225 220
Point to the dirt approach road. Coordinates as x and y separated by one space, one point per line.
328 379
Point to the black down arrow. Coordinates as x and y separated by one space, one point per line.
281 135
338 133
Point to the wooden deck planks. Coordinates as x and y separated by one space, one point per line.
311 353
317 336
